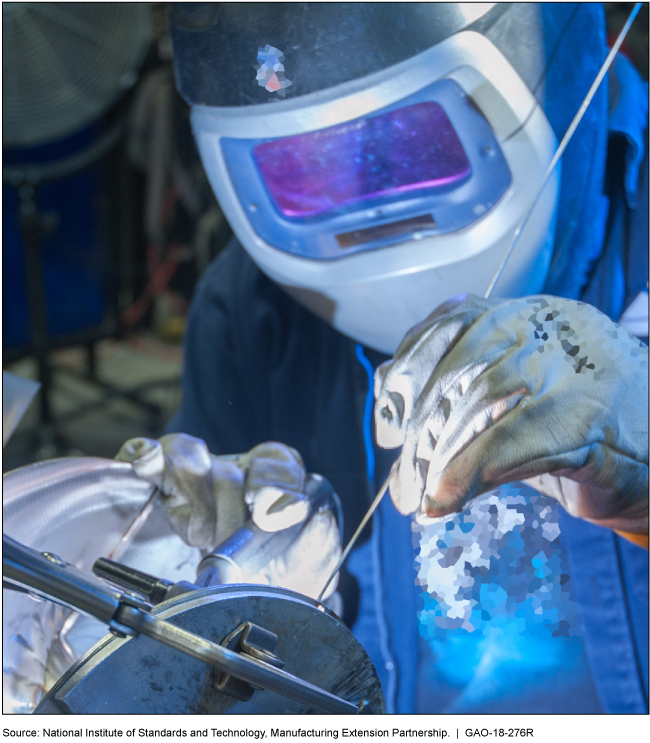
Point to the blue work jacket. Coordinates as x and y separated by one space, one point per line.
260 367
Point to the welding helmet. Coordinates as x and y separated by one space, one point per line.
374 159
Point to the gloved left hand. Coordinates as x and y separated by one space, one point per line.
548 390
207 498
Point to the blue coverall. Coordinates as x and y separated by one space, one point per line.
260 367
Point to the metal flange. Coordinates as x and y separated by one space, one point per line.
141 675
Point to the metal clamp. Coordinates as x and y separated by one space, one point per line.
126 614
255 642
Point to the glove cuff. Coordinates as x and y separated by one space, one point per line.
641 540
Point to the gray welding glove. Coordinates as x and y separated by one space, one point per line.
207 498
541 389
308 562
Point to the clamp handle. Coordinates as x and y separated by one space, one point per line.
130 579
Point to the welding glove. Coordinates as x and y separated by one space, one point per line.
308 562
540 389
207 498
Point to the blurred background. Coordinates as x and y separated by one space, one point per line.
108 220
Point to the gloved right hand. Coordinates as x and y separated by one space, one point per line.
542 389
206 498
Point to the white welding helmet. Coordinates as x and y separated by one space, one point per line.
374 159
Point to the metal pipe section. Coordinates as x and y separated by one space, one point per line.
249 549
56 580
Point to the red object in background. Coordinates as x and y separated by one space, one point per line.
624 50
159 271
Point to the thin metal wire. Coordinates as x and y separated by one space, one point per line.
134 527
364 521
556 158
117 551
563 144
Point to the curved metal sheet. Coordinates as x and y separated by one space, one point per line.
79 509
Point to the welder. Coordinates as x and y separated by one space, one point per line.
374 161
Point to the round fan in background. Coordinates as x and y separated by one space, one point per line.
65 64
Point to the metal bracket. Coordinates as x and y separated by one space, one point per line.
255 642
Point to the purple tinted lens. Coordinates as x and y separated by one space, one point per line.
411 148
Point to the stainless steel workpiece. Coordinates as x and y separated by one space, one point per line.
214 649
